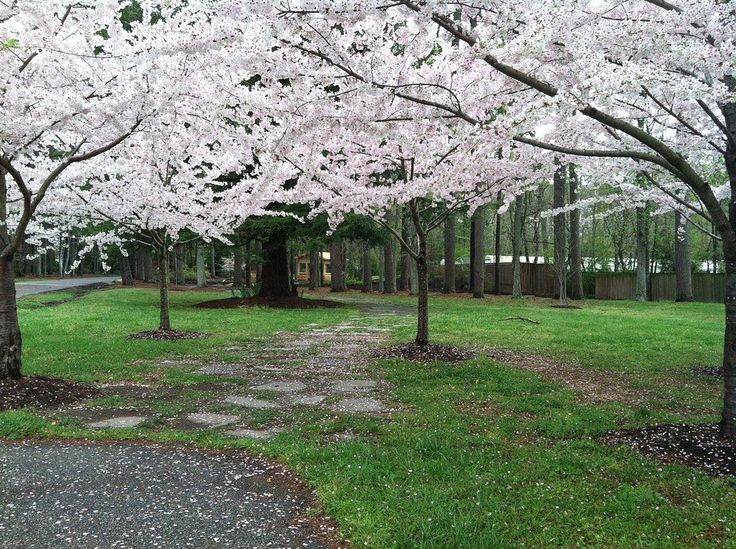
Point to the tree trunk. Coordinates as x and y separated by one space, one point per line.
125 272
497 251
683 263
728 419
516 234
405 274
642 247
450 239
248 283
337 267
381 287
560 232
478 257
259 264
367 265
389 262
163 275
179 265
576 257
275 281
238 267
201 275
213 262
148 275
422 280
315 266
10 339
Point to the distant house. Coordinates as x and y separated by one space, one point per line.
302 268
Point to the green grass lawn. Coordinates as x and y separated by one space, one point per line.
482 455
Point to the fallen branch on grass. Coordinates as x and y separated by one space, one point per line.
522 318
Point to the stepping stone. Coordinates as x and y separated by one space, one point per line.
309 400
250 402
354 385
212 420
122 422
360 406
281 386
219 370
254 433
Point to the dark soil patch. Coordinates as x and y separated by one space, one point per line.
568 306
41 392
78 292
714 372
168 335
424 353
698 446
292 302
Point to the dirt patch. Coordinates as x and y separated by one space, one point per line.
565 306
292 302
698 446
712 372
41 392
168 335
594 385
424 353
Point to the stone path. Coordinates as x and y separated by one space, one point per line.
134 495
322 368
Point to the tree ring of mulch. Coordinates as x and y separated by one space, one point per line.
424 353
168 335
713 372
42 392
291 302
561 306
698 446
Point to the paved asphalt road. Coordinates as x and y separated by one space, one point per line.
135 495
29 287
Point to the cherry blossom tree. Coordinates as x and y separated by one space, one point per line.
590 71
63 102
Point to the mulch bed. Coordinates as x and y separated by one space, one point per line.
698 446
293 302
568 306
424 353
167 335
42 392
714 372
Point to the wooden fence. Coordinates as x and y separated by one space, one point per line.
536 280
706 287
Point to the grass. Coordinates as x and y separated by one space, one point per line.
483 455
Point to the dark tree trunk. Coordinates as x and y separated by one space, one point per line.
389 262
213 262
315 266
422 279
642 247
450 239
10 340
478 256
125 272
238 267
275 278
163 275
337 266
140 269
367 267
575 291
728 419
516 235
560 232
683 262
248 283
497 251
